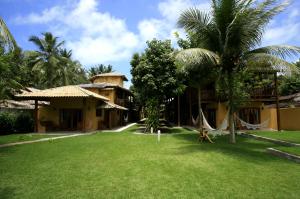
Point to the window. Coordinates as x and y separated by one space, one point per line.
98 112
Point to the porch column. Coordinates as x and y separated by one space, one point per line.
84 115
178 110
36 122
277 102
190 107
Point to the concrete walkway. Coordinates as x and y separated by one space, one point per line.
43 139
120 129
64 136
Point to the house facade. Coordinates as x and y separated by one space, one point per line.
262 108
102 104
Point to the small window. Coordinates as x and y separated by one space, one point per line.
98 112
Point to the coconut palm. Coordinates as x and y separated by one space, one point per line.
228 38
99 69
69 71
46 58
197 75
6 37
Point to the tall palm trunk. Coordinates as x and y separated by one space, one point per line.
200 110
231 109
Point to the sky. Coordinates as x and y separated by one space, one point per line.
110 31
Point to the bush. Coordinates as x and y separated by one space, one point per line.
14 122
7 121
24 123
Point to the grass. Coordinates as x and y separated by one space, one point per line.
290 136
5 139
125 165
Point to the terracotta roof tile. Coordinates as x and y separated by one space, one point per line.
63 91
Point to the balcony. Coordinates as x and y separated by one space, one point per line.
266 93
122 102
263 92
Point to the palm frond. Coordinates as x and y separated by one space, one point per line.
38 42
6 36
194 56
262 61
193 19
282 51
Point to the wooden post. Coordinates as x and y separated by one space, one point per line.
277 102
84 115
36 122
178 110
190 107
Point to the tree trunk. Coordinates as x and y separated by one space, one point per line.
231 110
200 111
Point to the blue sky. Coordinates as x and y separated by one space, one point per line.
110 31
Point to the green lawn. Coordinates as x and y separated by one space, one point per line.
125 165
5 139
290 136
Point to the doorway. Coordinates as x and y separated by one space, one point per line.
70 119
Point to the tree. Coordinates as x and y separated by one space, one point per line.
69 71
52 65
10 60
290 84
6 37
154 78
228 37
46 58
197 75
99 69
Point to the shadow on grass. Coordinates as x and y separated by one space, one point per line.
248 149
164 129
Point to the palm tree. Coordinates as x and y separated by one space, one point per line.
198 75
6 37
46 58
228 39
99 69
70 72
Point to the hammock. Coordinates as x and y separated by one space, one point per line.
262 125
215 132
126 118
195 121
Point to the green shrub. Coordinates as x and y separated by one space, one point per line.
24 123
7 121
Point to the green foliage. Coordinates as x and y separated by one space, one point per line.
24 123
6 38
154 74
16 122
290 84
7 122
152 111
99 69
10 73
52 65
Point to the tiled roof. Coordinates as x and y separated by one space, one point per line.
109 105
60 92
110 75
103 85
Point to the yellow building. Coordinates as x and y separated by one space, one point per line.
183 110
102 104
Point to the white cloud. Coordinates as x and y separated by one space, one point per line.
283 30
94 36
46 16
165 27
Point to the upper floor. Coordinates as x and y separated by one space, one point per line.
111 86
